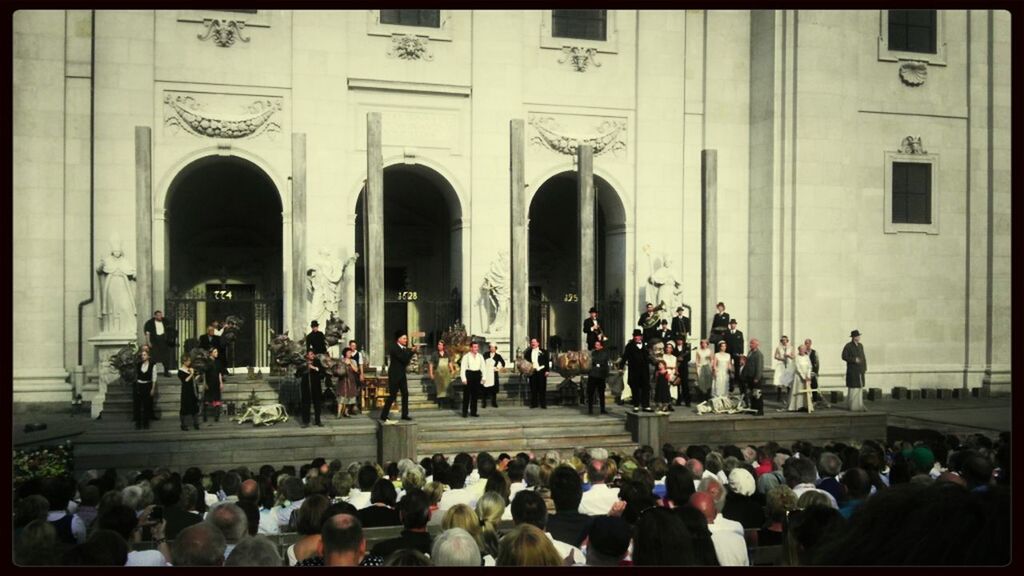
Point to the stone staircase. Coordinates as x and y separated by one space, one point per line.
237 389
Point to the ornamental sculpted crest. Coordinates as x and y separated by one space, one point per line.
192 114
565 134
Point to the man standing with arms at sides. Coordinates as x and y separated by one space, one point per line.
734 345
473 375
648 322
358 359
751 375
539 377
813 354
683 354
310 388
856 366
317 342
635 355
599 360
680 324
592 328
156 339
719 325
399 355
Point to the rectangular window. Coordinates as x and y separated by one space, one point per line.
912 30
911 193
422 18
582 24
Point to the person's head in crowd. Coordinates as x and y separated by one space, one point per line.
36 544
310 515
731 451
661 539
485 465
812 498
366 477
529 508
413 478
341 484
490 508
293 489
668 451
503 461
976 469
643 476
742 482
466 460
713 462
516 470
696 467
829 465
679 484
457 476
951 477
638 497
249 491
200 544
715 489
340 507
527 545
168 493
407 557
455 547
231 520
705 504
434 491
499 483
441 471
383 492
659 467
102 548
230 484
189 501
597 471
566 489
609 539
700 536
307 471
341 541
807 529
317 485
850 456
90 495
780 501
919 460
798 471
414 509
462 516
131 496
531 475
29 508
749 454
255 551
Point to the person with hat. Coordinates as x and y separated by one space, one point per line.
680 325
719 325
310 388
856 367
734 345
399 355
664 332
315 340
636 356
599 363
592 328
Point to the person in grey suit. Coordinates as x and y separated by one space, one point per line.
751 375
856 366
399 355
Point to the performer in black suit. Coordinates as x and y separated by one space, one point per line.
538 378
664 333
680 325
637 357
599 364
813 354
592 328
719 325
751 375
315 340
734 345
311 388
210 340
648 322
399 355
683 353
158 341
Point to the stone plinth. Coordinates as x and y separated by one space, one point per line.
900 393
929 393
647 428
944 393
104 346
396 440
915 394
836 396
874 394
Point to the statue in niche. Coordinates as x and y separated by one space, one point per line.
325 281
117 291
664 289
494 295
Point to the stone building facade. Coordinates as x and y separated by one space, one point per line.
821 124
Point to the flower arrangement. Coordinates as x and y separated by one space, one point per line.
457 342
43 462
125 362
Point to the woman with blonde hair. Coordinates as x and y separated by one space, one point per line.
490 508
526 545
462 516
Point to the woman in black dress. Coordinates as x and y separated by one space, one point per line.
662 395
214 385
143 391
189 398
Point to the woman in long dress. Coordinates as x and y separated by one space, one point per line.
784 369
670 360
214 386
802 380
348 378
440 372
189 398
703 363
721 367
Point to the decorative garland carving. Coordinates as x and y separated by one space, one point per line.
912 145
223 31
913 72
610 137
187 114
409 47
579 58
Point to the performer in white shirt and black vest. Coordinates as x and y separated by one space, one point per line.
538 378
495 363
473 372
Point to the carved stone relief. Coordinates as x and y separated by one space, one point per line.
223 31
579 58
607 136
406 47
913 72
193 113
912 145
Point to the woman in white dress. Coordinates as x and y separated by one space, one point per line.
670 364
703 364
721 367
802 369
784 370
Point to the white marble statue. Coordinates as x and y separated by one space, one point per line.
665 287
323 280
117 291
494 295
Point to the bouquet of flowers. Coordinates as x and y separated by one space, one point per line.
457 342
286 352
232 326
125 362
47 462
570 364
335 330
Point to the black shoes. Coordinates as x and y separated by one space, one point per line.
406 418
475 415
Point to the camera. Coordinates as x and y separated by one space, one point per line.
156 515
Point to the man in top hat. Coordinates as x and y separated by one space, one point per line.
636 356
664 332
315 340
592 328
734 345
856 366
399 355
680 325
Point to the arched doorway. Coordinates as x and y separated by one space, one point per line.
224 255
422 255
554 262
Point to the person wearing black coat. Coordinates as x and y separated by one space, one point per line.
637 357
600 359
399 355
311 388
592 328
680 324
719 326
538 378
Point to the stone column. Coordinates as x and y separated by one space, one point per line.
143 226
376 339
708 237
588 224
298 288
519 306
396 440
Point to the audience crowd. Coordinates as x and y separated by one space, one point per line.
944 501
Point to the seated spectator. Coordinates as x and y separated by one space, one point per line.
529 508
254 551
341 486
976 469
516 473
293 493
462 516
381 511
567 524
434 491
414 510
739 502
341 541
727 535
697 525
201 544
87 511
407 557
36 544
168 495
365 479
248 501
608 542
527 545
829 467
29 508
457 493
70 529
807 529
490 508
232 522
308 522
661 540
499 484
122 520
634 498
601 497
781 501
102 548
456 547
801 475
679 486
812 498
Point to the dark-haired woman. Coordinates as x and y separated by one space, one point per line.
189 398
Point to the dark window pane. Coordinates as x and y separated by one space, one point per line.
911 193
913 30
583 24
424 18
918 211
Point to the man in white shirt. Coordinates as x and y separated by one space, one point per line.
600 498
458 493
726 535
529 508
294 494
365 478
473 372
801 475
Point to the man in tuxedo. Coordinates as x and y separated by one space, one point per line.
664 333
156 339
734 345
599 364
310 389
539 377
315 340
399 355
683 354
680 325
751 375
637 357
592 328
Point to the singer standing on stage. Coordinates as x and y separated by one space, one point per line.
592 328
538 377
310 390
399 355
473 372
636 356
